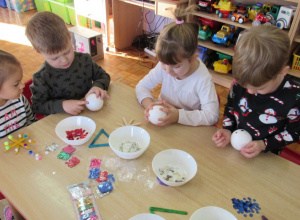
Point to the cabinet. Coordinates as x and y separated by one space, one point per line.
128 17
294 34
97 10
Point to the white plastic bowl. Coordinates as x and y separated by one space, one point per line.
132 134
72 123
179 160
146 216
212 213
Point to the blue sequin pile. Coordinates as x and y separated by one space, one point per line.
246 207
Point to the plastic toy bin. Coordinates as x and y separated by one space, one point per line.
42 5
20 5
72 15
296 59
61 10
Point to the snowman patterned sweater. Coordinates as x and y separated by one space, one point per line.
273 118
52 86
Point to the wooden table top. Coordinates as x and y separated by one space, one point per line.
39 188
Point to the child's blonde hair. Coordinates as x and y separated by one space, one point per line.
178 40
47 32
8 65
261 54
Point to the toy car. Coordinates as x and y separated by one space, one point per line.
222 66
214 25
204 32
206 5
224 36
261 19
253 11
224 8
240 16
285 16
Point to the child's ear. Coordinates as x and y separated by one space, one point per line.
285 71
193 58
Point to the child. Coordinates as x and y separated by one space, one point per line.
264 99
15 110
187 91
66 76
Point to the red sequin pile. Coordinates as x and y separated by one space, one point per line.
76 134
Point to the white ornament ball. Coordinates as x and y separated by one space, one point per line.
156 113
240 138
95 103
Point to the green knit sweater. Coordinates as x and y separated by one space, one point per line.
52 86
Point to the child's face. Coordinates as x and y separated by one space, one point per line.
12 87
180 70
62 59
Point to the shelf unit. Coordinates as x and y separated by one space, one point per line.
127 16
294 34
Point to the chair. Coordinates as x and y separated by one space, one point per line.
27 93
1 196
290 155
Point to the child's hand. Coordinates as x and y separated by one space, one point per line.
99 93
222 137
73 107
171 111
253 149
148 106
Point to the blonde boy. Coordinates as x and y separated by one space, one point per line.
264 99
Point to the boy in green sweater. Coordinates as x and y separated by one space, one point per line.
66 76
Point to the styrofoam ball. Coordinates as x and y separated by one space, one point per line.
240 138
95 103
156 113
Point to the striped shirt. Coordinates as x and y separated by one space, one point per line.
14 115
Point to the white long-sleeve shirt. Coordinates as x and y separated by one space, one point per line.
194 96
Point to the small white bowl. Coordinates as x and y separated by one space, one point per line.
172 159
212 213
132 134
72 123
146 216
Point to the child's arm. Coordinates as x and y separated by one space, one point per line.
150 81
229 121
30 116
42 103
101 79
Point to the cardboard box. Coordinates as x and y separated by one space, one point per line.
87 41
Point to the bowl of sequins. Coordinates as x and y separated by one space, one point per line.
129 142
75 130
174 167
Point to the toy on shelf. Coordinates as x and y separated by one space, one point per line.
261 19
224 8
285 17
214 25
22 141
267 7
222 66
204 32
253 11
206 5
240 16
225 35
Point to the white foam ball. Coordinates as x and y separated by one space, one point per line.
156 113
240 138
95 103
